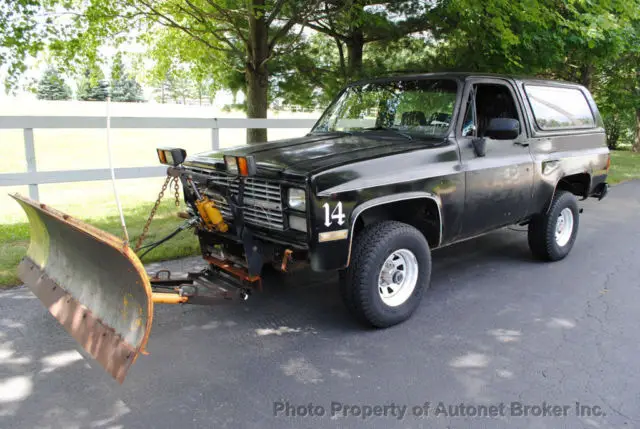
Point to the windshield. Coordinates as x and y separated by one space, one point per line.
413 108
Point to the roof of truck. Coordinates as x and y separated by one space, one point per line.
463 76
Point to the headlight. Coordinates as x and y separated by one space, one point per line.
231 163
298 223
297 199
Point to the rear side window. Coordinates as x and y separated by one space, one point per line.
558 108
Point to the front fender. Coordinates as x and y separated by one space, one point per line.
332 241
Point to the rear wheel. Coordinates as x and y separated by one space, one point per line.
389 271
552 234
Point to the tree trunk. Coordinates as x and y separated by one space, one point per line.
355 50
343 65
355 42
257 103
586 76
256 73
636 141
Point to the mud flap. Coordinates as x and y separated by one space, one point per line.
91 282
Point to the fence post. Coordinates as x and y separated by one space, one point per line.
215 135
30 155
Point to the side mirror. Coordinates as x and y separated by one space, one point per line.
503 129
479 146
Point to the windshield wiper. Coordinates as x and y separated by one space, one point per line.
346 133
395 130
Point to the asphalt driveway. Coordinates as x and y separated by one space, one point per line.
498 335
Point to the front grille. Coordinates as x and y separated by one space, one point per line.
262 198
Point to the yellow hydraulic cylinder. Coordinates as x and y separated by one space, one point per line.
210 215
168 298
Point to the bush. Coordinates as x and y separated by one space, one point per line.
613 129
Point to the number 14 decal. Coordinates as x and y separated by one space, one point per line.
336 214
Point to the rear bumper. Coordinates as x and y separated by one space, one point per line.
600 191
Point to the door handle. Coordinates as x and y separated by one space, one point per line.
523 144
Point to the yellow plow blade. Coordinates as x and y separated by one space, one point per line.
91 282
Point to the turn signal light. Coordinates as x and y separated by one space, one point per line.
240 165
171 156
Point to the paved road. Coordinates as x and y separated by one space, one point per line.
495 328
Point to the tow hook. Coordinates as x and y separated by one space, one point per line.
286 258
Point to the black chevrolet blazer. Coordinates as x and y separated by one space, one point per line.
398 166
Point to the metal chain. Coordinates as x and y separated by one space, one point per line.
176 188
145 230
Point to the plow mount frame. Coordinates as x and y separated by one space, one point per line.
222 281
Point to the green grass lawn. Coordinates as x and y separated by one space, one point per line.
625 165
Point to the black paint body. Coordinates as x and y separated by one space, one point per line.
462 195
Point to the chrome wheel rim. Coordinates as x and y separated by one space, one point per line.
398 277
564 227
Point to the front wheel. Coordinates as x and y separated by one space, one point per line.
389 271
552 234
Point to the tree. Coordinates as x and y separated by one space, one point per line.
20 37
593 43
248 32
354 23
118 71
124 87
258 47
205 88
126 90
160 87
93 86
52 87
180 86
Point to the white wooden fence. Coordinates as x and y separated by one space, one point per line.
33 177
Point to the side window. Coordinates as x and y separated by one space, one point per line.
493 101
557 108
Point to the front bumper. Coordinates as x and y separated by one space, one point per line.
263 249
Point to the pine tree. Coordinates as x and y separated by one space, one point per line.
124 87
52 87
93 86
127 90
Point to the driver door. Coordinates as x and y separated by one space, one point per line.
499 185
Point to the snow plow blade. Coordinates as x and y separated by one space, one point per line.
91 282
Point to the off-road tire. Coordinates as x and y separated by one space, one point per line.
359 282
542 228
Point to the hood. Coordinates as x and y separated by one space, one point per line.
313 153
